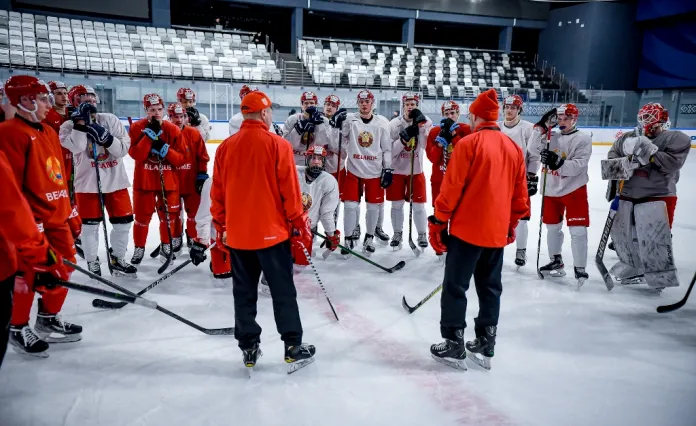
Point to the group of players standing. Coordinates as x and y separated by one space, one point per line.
67 158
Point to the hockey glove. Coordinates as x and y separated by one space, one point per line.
332 241
417 116
83 113
200 180
278 131
338 118
159 148
437 234
386 179
197 252
548 121
446 124
54 267
193 116
315 116
155 126
104 137
301 236
304 126
442 141
552 160
532 183
409 137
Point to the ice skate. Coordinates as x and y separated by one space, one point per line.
94 267
299 356
189 243
349 243
177 244
265 289
451 353
423 241
26 342
120 268
47 325
138 254
382 237
555 268
250 357
78 248
164 252
581 276
368 245
481 349
397 240
520 258
357 233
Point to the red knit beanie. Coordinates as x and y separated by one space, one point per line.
486 105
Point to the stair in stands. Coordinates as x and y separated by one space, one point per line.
294 72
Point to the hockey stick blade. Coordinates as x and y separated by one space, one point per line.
405 305
679 304
414 249
410 309
394 268
155 252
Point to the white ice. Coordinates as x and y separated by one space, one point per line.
563 357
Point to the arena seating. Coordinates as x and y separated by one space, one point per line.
435 72
28 40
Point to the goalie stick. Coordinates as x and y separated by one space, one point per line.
679 304
394 268
599 257
209 331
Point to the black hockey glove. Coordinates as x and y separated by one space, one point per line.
103 136
445 126
154 125
386 179
548 121
409 134
532 183
417 116
338 118
552 160
197 253
278 131
200 180
83 113
194 116
315 116
304 126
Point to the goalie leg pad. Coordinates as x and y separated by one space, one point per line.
655 244
623 234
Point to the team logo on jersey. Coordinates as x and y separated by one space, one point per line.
54 171
102 155
365 139
306 201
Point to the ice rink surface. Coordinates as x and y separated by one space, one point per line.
562 358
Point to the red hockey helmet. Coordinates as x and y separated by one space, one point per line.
410 96
24 85
365 94
314 151
652 117
75 94
515 100
152 99
333 100
185 94
569 110
450 106
309 96
245 90
55 85
175 108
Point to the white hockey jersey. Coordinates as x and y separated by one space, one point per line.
321 136
112 172
522 134
368 145
401 159
236 123
204 219
204 128
333 135
319 199
576 149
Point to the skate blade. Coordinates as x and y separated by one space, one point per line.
458 364
22 352
396 248
67 338
367 253
297 365
483 361
581 281
383 243
115 273
553 274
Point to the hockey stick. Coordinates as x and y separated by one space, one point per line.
118 296
316 275
679 304
410 310
394 268
101 205
606 232
411 244
541 216
210 331
105 304
166 218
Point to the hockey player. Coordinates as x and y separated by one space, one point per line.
256 167
565 164
307 128
521 132
7 111
187 98
155 147
648 199
409 133
336 116
369 164
236 120
55 117
33 152
98 143
191 175
477 236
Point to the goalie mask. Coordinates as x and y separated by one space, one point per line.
315 161
652 118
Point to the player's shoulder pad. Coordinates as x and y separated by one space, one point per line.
381 119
